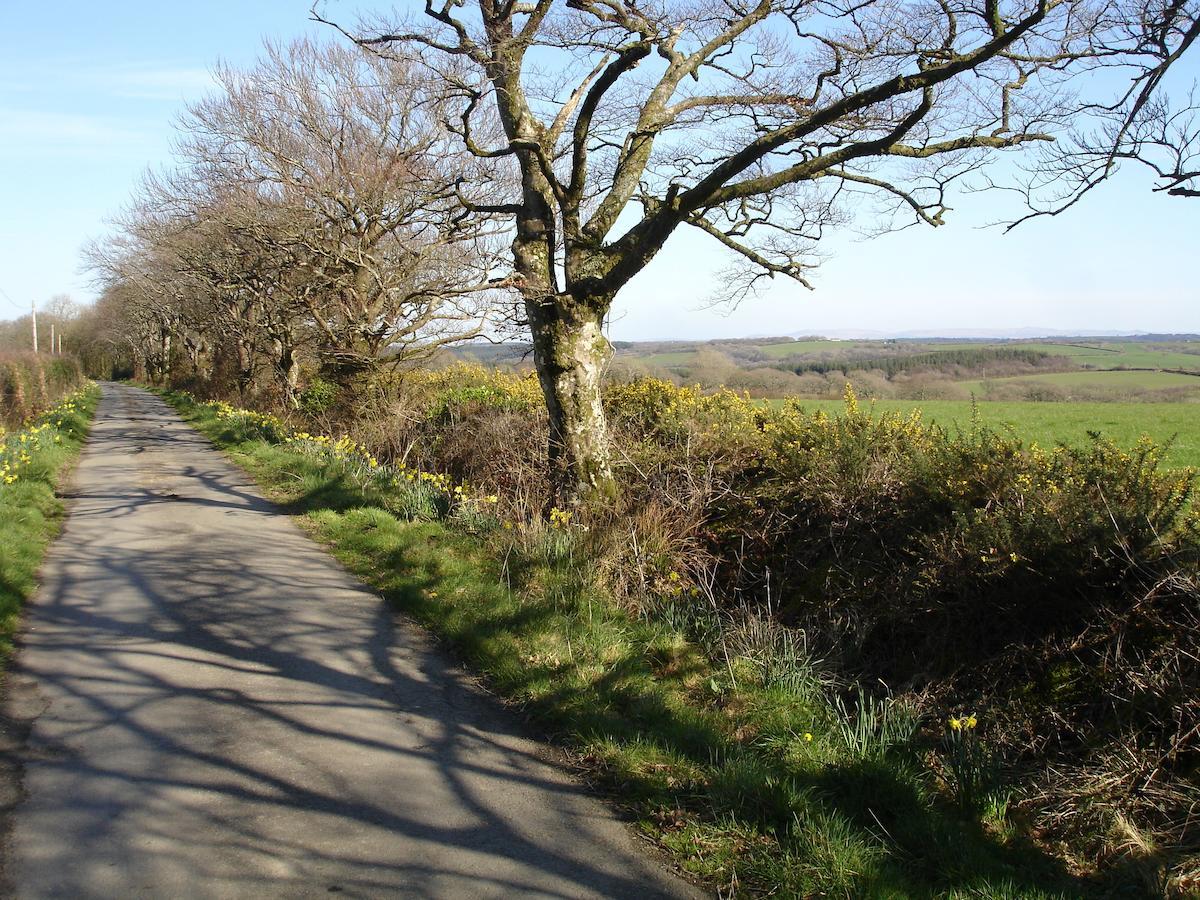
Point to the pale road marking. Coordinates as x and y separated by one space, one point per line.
205 705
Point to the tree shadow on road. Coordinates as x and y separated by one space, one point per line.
210 701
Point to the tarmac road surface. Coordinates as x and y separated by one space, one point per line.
205 705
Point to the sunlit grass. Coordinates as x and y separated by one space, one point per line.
32 460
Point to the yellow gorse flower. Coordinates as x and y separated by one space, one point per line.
345 450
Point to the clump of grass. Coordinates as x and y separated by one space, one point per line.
871 727
972 768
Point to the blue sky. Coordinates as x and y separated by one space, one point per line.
89 91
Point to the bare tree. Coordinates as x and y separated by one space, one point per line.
343 171
1146 123
759 123
185 274
314 213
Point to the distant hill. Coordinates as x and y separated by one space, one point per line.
517 351
992 334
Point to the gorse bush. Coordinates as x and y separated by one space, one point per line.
880 534
318 397
885 534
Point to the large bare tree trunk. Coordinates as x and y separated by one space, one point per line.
199 355
570 352
165 364
287 370
245 366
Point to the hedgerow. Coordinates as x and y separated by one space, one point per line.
1046 596
31 383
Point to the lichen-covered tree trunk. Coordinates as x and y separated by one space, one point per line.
571 352
245 366
287 370
199 355
164 366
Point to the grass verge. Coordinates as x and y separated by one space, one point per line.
739 757
32 462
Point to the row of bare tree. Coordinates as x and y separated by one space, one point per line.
314 214
375 199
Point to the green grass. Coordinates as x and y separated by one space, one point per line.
1069 350
1050 424
800 348
676 358
1114 380
1146 356
1117 378
1049 347
29 506
744 768
779 351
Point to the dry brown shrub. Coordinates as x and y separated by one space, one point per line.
501 450
1103 725
12 394
653 545
30 383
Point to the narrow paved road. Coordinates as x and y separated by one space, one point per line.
205 705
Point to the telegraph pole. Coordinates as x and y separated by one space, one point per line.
33 310
51 338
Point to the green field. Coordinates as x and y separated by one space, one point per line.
1071 350
1100 355
678 358
1050 424
1099 380
1144 356
778 351
796 348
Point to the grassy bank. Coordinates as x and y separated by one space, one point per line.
32 461
714 729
